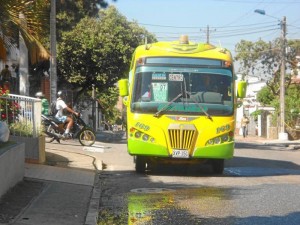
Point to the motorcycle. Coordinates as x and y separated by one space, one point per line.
54 130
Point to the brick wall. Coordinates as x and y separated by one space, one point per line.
45 87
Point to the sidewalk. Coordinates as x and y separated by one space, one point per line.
291 144
55 195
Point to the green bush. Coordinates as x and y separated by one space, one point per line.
255 114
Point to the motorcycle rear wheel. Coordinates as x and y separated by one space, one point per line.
87 137
49 138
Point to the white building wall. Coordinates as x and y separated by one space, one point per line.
249 103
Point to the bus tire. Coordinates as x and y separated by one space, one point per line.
217 166
140 164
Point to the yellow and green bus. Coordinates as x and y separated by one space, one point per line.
180 99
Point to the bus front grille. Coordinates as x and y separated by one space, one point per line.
182 136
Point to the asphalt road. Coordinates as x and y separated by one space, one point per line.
260 185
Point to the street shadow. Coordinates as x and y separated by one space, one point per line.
254 167
262 146
53 159
200 170
236 167
117 137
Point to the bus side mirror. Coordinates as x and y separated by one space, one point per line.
123 87
241 89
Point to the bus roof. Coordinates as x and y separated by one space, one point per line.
187 49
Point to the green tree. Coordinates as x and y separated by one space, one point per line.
107 100
98 51
35 13
70 12
265 96
248 55
263 60
36 32
292 103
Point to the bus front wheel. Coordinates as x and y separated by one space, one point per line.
140 164
217 165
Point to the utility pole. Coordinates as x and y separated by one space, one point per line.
282 135
53 70
94 107
23 63
208 33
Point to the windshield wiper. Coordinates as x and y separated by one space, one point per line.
184 93
166 106
200 106
157 114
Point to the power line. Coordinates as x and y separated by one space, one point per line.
245 15
198 27
222 30
245 29
228 34
219 32
239 34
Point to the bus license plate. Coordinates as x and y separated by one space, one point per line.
180 154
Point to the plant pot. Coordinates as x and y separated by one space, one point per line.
11 166
34 148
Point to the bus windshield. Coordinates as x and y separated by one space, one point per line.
183 90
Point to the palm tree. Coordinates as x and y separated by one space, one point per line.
31 29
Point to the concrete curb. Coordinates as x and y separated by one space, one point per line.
294 147
93 209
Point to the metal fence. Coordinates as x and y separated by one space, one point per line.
22 114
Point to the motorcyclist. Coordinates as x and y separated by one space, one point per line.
61 106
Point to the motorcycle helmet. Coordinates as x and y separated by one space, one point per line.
61 94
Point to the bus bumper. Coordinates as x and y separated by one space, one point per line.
222 151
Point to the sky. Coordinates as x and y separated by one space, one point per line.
229 21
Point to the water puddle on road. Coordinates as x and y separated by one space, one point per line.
171 206
165 206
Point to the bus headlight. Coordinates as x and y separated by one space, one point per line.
145 137
210 142
138 134
224 138
220 139
217 140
